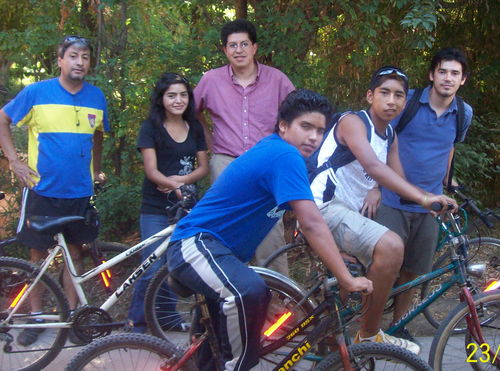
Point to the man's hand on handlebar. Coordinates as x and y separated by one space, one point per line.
447 203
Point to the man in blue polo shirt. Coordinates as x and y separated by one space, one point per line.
211 246
425 149
65 117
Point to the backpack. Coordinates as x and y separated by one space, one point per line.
411 110
345 157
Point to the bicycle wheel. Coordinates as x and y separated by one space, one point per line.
304 266
163 320
126 352
375 356
15 276
451 350
485 250
103 285
285 298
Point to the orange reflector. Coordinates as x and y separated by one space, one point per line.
277 324
492 286
105 279
108 272
18 297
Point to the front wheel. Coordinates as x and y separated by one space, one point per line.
451 350
16 351
126 352
480 250
375 356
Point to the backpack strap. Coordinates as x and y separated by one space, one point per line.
342 156
460 118
410 110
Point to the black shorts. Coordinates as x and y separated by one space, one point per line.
75 233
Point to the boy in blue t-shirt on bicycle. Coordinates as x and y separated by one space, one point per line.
211 246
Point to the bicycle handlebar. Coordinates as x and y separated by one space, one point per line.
483 215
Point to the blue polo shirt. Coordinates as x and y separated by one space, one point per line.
424 148
249 197
61 126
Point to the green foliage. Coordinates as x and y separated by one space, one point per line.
328 46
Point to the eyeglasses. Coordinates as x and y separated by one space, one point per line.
242 45
390 71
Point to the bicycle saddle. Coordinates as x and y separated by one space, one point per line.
51 224
179 288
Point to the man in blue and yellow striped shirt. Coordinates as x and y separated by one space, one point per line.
65 117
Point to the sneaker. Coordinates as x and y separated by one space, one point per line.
382 337
403 333
29 336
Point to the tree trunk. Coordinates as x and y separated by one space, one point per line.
241 9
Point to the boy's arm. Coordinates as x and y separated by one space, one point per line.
393 158
321 240
352 133
23 172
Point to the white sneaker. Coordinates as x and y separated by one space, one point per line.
382 337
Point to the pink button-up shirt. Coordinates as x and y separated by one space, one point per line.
241 116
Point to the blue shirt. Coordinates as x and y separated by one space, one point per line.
424 148
61 126
249 197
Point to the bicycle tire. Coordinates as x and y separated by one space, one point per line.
126 351
449 350
156 300
304 266
485 249
14 275
371 356
95 289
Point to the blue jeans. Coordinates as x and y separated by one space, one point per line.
150 225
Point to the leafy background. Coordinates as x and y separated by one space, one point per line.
328 46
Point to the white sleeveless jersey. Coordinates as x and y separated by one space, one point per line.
349 183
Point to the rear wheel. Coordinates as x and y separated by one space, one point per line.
126 352
165 313
16 276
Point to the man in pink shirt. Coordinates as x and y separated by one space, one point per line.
242 99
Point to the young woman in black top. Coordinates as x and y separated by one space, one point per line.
174 153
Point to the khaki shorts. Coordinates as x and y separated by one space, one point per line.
218 162
353 233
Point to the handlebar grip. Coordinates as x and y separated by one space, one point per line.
436 206
484 219
2 195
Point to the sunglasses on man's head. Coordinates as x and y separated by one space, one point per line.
390 71
75 38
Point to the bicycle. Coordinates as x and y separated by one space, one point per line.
306 268
92 254
20 280
295 336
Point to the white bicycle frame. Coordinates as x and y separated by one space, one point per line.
78 280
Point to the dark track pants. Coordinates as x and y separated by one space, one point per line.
237 296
